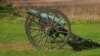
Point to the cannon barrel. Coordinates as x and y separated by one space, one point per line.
45 16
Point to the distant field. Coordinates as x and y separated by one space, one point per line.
80 9
14 42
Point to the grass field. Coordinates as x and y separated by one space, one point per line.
14 42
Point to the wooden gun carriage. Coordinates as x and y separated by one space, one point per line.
51 29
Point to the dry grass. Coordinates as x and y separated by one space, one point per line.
79 9
18 47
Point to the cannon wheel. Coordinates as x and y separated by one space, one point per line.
37 30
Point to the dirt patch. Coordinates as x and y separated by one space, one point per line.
18 47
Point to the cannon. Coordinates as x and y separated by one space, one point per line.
51 29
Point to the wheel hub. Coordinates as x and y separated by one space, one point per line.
48 30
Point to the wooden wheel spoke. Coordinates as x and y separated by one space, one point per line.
35 25
48 16
60 37
56 23
46 37
35 22
50 43
55 40
32 41
62 32
53 19
57 27
34 28
40 39
38 34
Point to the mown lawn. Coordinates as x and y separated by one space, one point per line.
65 52
12 32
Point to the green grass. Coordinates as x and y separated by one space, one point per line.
88 31
12 32
64 52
